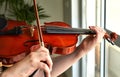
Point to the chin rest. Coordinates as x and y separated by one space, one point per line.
3 23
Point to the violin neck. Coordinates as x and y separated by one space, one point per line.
61 30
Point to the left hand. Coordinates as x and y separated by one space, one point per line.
92 40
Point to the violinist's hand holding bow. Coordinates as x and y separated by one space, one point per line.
39 59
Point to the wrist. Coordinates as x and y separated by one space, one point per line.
5 74
80 52
11 74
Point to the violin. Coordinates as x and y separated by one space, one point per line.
59 37
17 39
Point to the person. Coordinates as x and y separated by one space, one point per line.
41 61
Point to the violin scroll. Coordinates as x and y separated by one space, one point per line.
111 37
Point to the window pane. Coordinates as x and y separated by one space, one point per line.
113 15
112 55
112 61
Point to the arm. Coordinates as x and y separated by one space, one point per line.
40 58
62 63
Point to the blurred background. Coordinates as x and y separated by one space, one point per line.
103 61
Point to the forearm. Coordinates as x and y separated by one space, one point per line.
20 69
8 74
62 63
15 72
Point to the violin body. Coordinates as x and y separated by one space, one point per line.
11 46
15 47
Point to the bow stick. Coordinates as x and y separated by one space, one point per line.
38 24
39 31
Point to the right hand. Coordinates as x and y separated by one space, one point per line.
39 58
42 59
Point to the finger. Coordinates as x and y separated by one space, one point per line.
46 69
49 62
34 47
47 59
97 29
99 33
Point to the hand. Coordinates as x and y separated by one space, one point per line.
39 58
92 40
45 62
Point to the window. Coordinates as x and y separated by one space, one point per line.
112 53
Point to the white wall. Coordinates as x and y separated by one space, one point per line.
113 61
54 8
